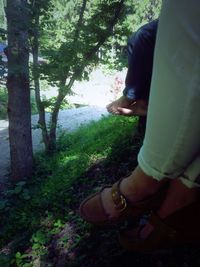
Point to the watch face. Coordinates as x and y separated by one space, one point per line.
130 98
130 94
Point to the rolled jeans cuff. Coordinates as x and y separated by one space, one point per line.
191 176
151 170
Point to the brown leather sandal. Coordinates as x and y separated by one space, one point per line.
180 228
92 210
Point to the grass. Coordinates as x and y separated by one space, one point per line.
37 209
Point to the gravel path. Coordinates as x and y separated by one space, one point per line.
68 120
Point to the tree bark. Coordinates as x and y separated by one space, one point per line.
19 108
54 119
36 79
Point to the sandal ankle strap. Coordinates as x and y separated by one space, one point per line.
117 197
160 225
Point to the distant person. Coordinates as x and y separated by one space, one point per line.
140 51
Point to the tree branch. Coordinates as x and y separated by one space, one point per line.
80 20
112 23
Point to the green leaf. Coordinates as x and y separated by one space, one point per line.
26 194
18 255
18 189
3 204
22 183
36 246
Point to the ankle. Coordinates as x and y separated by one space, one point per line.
182 193
138 185
178 196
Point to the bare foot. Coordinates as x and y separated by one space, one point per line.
125 107
138 108
122 102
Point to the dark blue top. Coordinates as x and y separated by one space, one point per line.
140 50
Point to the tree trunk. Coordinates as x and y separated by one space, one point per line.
54 120
19 108
36 79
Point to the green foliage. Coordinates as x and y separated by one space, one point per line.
20 191
68 47
70 41
19 260
71 33
50 103
34 109
69 36
3 103
136 13
2 15
146 11
5 260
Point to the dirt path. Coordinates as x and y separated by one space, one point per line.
68 120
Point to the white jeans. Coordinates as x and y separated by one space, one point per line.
171 145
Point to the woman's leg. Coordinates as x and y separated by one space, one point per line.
172 144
